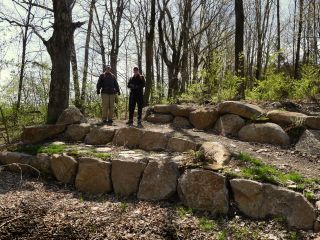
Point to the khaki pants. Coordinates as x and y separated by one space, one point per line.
107 106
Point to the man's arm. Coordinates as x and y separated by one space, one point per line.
99 84
116 84
130 85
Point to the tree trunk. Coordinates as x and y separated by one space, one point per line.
239 57
59 49
279 35
149 53
86 56
297 62
75 74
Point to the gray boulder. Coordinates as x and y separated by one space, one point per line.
181 122
37 134
309 142
181 110
77 132
313 122
100 135
71 115
242 109
159 118
159 180
126 175
229 124
129 137
264 133
162 108
260 200
42 163
215 153
203 118
94 176
286 117
153 141
204 190
64 168
176 144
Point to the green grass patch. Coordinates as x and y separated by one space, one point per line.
90 153
255 169
206 224
182 211
35 149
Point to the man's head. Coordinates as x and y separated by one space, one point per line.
135 70
107 68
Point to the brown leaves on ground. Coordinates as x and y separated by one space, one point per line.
34 209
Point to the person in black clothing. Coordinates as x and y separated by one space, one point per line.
109 87
136 84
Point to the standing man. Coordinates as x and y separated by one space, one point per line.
110 87
136 84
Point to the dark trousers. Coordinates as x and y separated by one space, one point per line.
135 99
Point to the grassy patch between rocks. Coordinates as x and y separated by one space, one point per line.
35 149
89 153
254 169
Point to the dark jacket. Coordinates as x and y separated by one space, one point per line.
108 83
136 84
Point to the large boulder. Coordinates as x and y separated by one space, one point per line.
181 122
229 124
77 132
37 134
159 180
16 161
146 112
313 122
71 115
260 200
153 141
309 142
162 108
242 109
203 118
264 133
42 163
94 176
100 135
64 168
159 118
181 110
126 175
215 153
176 144
204 190
129 137
286 117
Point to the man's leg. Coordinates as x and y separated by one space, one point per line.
131 107
140 106
112 98
104 98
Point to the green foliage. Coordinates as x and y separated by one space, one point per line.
222 235
206 224
90 153
35 149
123 206
257 170
182 211
274 86
309 195
309 84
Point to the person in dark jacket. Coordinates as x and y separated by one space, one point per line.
136 84
109 87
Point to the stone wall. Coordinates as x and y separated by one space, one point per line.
161 178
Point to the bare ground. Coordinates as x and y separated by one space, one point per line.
34 209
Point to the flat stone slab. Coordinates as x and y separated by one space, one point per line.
181 110
160 118
64 168
313 122
16 161
286 117
204 190
126 175
94 176
242 109
260 200
159 180
162 108
37 134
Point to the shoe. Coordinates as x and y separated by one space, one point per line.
130 122
104 121
140 124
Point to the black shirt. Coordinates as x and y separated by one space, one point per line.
108 83
136 84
